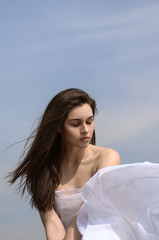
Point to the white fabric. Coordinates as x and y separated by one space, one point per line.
68 202
121 203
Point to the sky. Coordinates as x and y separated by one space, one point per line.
109 49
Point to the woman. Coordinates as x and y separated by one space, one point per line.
60 164
62 156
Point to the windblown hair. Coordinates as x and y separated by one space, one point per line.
39 170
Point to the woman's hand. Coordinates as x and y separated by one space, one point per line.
53 226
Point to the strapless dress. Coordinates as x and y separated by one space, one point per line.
68 202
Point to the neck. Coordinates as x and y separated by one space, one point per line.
73 156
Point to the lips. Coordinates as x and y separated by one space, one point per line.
85 139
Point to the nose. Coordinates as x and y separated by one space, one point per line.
84 128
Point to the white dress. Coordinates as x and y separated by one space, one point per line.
119 203
68 202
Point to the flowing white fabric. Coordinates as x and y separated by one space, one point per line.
121 203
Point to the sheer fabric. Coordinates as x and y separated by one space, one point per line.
121 203
68 202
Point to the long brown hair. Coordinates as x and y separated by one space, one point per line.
39 170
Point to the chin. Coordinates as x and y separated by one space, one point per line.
85 145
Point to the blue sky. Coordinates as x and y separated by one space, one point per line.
109 49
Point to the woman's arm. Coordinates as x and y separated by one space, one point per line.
53 226
72 231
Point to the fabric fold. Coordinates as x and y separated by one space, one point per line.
121 203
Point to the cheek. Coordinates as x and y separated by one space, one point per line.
92 128
69 132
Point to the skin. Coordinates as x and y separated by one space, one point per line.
79 159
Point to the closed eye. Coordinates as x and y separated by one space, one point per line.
78 122
90 120
75 122
75 125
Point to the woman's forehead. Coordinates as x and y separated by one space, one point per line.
80 111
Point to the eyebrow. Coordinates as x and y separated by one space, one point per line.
79 119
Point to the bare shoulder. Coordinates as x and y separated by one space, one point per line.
106 157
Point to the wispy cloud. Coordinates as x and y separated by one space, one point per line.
91 28
124 123
93 20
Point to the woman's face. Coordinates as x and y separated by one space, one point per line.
78 127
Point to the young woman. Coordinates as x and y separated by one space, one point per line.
62 156
62 168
